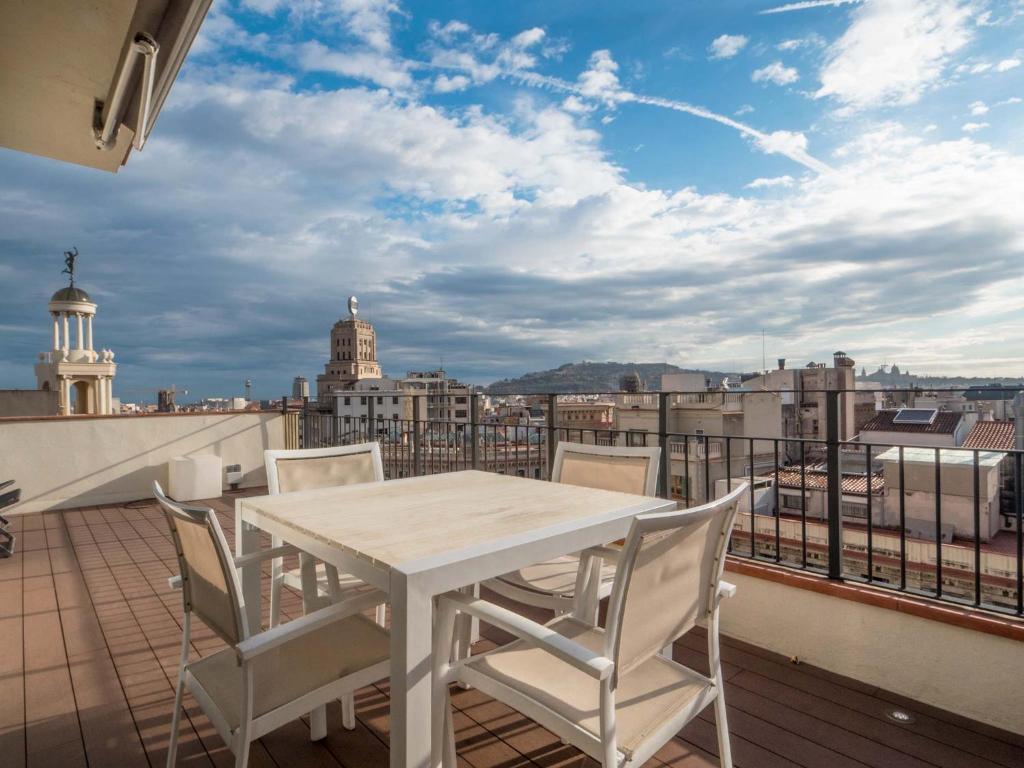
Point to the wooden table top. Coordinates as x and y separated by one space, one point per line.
405 520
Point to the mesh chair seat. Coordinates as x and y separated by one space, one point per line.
556 577
298 667
650 695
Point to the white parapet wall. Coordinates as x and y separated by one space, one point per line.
952 667
81 460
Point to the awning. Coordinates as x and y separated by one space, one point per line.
69 68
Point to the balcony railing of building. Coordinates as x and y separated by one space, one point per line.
940 522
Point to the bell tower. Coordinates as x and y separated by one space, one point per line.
353 354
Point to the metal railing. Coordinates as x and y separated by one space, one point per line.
942 522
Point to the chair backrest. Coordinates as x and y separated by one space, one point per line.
308 468
667 578
607 467
209 580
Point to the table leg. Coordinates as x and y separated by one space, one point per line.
247 540
411 620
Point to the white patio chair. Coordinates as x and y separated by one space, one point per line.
608 691
262 681
552 584
302 470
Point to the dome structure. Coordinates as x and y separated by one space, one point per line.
71 294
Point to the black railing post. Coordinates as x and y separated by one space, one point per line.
417 454
835 485
304 441
284 405
552 431
474 427
371 420
665 467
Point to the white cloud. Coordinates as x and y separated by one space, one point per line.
528 37
776 73
1009 101
727 46
768 183
893 51
744 110
978 108
445 84
973 127
449 31
370 65
599 79
1007 64
930 128
576 105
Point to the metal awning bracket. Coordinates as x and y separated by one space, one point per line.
105 128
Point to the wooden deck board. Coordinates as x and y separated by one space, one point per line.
90 638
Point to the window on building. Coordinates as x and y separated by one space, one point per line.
380 401
348 401
362 401
791 502
460 400
394 401
460 414
853 509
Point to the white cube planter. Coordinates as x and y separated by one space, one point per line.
194 477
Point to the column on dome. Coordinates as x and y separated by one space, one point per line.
110 394
79 335
88 333
56 329
67 331
65 395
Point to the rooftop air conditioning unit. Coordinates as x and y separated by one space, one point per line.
233 474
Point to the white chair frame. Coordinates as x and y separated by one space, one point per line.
599 666
252 646
589 581
311 596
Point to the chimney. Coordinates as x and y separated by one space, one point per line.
782 363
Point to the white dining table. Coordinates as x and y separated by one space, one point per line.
419 537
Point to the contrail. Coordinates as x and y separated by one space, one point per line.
770 143
808 4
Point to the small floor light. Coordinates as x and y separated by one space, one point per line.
900 716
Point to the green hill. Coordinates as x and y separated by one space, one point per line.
592 377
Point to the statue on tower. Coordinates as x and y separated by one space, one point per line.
69 265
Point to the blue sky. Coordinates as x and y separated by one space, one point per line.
511 186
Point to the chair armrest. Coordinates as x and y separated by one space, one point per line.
725 589
574 654
265 554
174 582
273 638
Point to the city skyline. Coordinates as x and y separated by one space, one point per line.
516 188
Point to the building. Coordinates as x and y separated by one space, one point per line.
353 354
914 426
300 388
1000 436
707 434
446 399
82 377
853 505
804 398
955 477
585 415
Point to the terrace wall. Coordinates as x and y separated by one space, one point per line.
877 640
78 461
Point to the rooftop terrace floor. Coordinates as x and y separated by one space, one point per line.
89 643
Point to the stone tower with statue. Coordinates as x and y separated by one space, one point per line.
353 354
73 368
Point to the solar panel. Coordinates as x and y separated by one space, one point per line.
915 416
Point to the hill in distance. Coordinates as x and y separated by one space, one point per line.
593 377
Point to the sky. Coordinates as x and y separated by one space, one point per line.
510 186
